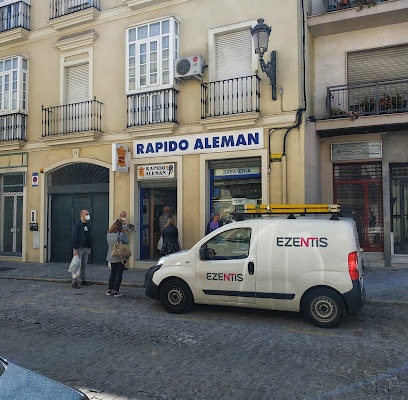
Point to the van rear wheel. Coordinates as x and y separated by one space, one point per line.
324 307
176 297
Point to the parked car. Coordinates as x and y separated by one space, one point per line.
18 383
309 265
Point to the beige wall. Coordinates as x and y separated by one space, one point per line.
107 59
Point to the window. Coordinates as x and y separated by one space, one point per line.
229 245
13 84
151 51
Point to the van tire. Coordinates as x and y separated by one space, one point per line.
324 307
176 297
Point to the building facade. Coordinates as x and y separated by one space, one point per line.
360 53
133 105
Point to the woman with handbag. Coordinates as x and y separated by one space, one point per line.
171 242
115 235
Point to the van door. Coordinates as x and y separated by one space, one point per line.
225 267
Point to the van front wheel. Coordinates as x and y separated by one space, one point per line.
176 297
324 308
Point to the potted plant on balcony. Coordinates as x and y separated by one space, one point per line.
367 105
399 102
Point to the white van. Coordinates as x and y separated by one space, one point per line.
309 265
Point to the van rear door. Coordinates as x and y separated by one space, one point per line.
225 266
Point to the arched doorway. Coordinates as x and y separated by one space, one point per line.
70 189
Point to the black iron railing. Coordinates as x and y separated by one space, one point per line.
59 8
15 15
230 96
334 5
373 98
71 118
13 127
152 107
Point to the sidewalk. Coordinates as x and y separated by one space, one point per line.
387 286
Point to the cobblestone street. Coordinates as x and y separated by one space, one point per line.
130 348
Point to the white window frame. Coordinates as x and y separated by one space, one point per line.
20 76
212 33
133 69
68 59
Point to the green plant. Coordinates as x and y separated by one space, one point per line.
367 105
337 112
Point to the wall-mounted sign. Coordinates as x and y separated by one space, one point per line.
34 179
197 144
120 158
237 171
356 150
155 171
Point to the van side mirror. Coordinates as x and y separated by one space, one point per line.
203 253
206 253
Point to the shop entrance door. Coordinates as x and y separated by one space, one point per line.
152 201
399 207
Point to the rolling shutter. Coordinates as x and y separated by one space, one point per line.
77 88
377 65
231 47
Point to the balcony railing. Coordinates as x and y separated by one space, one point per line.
374 98
334 5
72 118
59 8
15 15
13 127
230 96
152 107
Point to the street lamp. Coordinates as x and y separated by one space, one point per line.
260 34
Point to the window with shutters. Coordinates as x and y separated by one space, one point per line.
151 51
233 86
378 80
358 190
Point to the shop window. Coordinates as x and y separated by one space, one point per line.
358 190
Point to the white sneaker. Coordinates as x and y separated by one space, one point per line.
118 294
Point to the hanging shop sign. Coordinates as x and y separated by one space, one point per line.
197 144
120 158
156 171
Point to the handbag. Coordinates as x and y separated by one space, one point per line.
121 250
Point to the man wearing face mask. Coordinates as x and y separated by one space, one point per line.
81 241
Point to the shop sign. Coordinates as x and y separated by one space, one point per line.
155 171
197 144
237 171
120 158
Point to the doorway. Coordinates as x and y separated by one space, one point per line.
399 207
152 201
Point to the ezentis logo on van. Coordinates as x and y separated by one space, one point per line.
222 276
302 241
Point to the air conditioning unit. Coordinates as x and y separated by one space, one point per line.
187 67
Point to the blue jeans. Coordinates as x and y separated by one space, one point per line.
83 256
115 278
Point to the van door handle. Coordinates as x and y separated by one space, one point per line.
251 268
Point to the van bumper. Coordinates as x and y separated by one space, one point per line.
151 289
355 298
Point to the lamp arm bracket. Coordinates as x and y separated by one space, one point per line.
270 70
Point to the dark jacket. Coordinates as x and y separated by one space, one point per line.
170 240
81 235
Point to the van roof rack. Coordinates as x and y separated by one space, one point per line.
259 210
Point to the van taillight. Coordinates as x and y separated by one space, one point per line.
352 265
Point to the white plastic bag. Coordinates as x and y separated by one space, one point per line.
75 265
160 243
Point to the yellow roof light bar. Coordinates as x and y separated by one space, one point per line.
291 208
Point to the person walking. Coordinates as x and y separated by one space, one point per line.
81 242
171 242
115 233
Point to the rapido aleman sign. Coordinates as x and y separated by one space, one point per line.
196 144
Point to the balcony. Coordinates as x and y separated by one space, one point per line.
341 16
69 13
72 123
12 131
385 103
150 108
14 22
230 97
